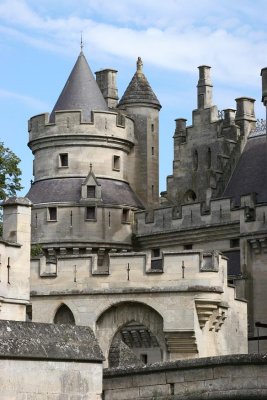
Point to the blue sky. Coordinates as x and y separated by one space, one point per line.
39 44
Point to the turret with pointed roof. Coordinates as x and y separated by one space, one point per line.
139 90
80 92
140 102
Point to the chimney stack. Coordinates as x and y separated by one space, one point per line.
204 88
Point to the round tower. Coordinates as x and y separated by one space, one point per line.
141 103
82 200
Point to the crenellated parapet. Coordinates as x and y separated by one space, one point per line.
72 144
104 124
189 294
187 216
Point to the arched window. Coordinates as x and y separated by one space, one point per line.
209 158
64 316
195 160
189 196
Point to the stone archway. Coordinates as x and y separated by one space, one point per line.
121 315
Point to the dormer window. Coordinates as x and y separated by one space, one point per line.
91 192
63 160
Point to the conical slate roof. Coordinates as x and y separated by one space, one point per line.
80 92
139 90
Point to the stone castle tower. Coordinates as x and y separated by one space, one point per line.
95 163
95 173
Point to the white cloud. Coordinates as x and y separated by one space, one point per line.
31 102
174 35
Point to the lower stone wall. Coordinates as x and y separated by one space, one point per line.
50 380
228 377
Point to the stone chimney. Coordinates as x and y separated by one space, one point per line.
204 88
106 80
245 109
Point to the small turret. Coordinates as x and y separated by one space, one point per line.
141 103
139 91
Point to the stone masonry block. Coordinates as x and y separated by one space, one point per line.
130 393
198 374
186 388
154 391
174 376
118 383
149 379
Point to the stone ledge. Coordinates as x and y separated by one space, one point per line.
239 359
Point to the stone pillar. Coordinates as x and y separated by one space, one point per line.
204 88
15 259
106 80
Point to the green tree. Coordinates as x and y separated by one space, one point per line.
9 173
9 176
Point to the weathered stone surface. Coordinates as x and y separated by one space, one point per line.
48 341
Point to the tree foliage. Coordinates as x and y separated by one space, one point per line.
9 173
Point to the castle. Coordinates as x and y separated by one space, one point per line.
146 273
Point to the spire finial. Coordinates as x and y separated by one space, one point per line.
81 40
91 167
139 65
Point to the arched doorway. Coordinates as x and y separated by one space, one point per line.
138 325
140 340
64 316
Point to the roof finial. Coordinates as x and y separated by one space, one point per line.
139 65
91 167
81 41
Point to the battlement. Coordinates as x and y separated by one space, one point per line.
195 215
179 271
69 123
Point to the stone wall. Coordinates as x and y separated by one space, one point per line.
49 362
47 380
229 377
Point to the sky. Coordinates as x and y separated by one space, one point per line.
40 42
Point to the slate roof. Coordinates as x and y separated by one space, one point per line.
139 90
80 92
120 355
33 340
113 192
250 174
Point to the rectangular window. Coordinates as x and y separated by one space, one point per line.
91 192
52 214
152 151
152 190
90 213
152 127
116 163
143 358
125 215
63 160
234 243
155 252
188 247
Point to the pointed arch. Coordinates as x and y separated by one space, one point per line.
64 315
